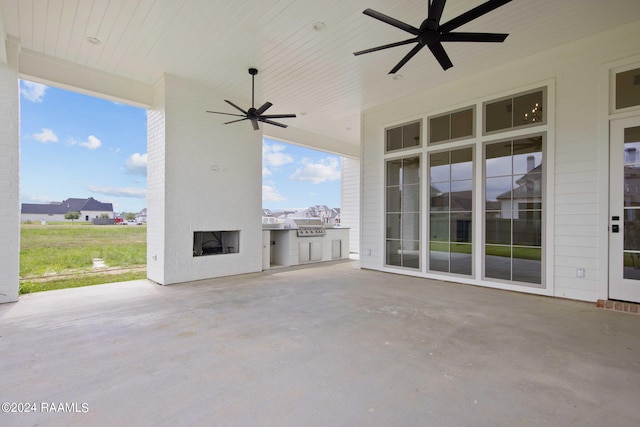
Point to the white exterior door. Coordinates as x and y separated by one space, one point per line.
624 210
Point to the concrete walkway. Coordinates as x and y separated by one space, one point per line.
329 345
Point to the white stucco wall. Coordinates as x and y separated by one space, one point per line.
577 156
9 177
203 176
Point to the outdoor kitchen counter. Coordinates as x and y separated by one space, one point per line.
282 247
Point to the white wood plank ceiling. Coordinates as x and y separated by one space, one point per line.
301 70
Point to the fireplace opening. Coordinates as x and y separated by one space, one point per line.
216 242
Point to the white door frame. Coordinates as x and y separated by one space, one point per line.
619 287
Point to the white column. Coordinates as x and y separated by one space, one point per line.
156 186
9 178
202 176
350 201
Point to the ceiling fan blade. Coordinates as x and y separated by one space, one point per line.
392 21
440 54
473 37
264 108
272 123
386 46
254 123
235 106
474 13
406 59
278 116
234 121
436 7
226 114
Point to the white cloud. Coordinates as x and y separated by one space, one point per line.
91 143
270 194
266 172
32 91
35 198
327 169
274 155
137 164
45 135
134 192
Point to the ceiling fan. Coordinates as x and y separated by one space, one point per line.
253 114
432 34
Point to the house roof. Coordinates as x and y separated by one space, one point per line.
68 205
303 67
524 190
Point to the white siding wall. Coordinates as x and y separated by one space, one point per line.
208 179
350 201
577 232
9 177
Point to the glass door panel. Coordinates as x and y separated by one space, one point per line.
451 206
624 208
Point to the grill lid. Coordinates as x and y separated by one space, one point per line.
306 227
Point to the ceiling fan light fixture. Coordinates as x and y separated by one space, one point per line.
255 115
431 33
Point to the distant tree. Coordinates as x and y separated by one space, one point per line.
129 216
104 215
72 215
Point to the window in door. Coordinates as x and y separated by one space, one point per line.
514 207
451 211
403 212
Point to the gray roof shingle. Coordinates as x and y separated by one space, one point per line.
69 205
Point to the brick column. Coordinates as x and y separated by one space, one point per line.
202 175
9 179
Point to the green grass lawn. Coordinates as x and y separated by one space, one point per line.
68 248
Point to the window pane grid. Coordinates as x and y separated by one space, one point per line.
520 110
450 217
452 126
403 213
513 210
403 136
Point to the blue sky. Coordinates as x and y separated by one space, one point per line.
295 177
73 145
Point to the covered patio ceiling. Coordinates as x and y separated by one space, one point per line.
305 67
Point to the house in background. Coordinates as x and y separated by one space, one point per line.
88 208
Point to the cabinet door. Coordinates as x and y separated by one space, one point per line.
336 249
303 252
316 251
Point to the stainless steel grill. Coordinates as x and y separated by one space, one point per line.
306 227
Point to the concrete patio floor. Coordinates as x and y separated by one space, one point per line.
329 345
